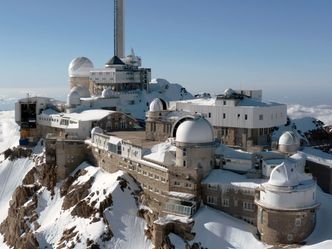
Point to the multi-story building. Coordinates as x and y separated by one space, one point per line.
239 118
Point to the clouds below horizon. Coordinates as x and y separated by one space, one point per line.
321 112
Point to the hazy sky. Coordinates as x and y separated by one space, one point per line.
281 46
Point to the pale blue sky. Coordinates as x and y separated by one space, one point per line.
281 46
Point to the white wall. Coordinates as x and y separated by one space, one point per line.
274 115
299 198
132 151
239 165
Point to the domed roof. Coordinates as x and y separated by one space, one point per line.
197 130
229 92
284 175
82 91
156 105
289 138
96 130
80 67
73 98
107 93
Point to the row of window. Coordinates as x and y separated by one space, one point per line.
101 73
150 188
186 184
227 189
246 205
260 117
139 170
62 121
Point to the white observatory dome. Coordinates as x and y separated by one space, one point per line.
229 92
289 142
73 98
108 93
96 130
284 175
82 91
197 130
156 105
80 67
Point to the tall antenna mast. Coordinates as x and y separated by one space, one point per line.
119 28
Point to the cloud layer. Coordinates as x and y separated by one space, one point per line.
321 112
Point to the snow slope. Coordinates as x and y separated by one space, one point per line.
215 229
11 176
128 229
9 130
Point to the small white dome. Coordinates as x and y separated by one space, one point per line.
96 130
197 130
156 105
108 93
289 142
73 98
80 67
284 175
229 92
82 91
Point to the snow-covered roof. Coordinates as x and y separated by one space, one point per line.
318 156
225 177
248 102
115 140
232 153
197 130
256 103
90 115
181 195
171 218
87 115
163 153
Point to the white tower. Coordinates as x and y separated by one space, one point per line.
119 46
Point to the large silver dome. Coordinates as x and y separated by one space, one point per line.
80 67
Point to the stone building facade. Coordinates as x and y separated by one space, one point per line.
234 200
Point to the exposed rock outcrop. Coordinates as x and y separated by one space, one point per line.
21 219
158 230
17 152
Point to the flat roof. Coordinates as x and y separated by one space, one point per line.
225 177
135 137
247 102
